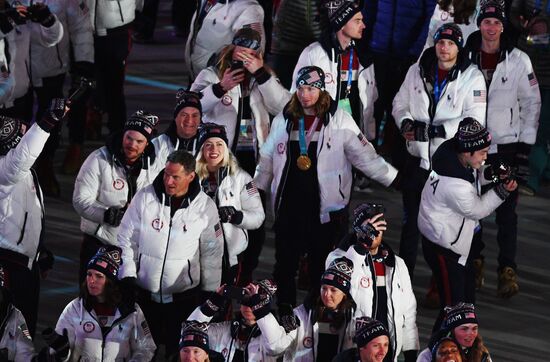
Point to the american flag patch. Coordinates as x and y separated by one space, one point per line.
480 96
362 139
25 330
251 188
256 26
329 277
447 32
470 315
218 230
147 129
532 79
145 328
102 264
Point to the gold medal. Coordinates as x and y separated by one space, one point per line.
303 162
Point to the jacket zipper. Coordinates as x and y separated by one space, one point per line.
59 56
394 347
165 251
340 186
139 263
285 172
23 229
511 116
431 111
189 271
459 232
120 11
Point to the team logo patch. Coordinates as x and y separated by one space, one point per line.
118 184
88 327
329 78
281 148
364 282
157 224
227 100
308 342
224 352
444 16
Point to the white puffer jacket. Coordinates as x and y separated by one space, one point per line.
451 205
464 95
219 26
513 102
16 338
21 209
164 146
328 61
19 41
401 304
238 190
110 14
102 183
300 344
128 339
78 35
266 99
167 254
222 339
341 145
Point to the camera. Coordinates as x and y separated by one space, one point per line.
233 292
500 172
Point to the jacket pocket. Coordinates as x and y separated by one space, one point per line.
189 271
23 229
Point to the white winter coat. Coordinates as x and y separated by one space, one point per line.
341 145
78 35
20 40
221 338
513 101
401 304
238 190
128 339
219 26
164 146
300 344
265 99
110 14
102 183
167 254
21 209
16 338
316 55
451 204
463 96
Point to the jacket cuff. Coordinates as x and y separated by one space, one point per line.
218 90
262 75
501 192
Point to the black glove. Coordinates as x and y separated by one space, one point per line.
420 131
128 290
59 343
83 69
436 131
40 13
113 215
4 355
365 234
289 322
230 214
501 191
260 305
213 304
407 125
499 172
13 15
6 25
45 260
53 115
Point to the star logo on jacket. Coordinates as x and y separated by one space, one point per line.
88 327
157 224
227 100
118 184
364 282
308 342
281 148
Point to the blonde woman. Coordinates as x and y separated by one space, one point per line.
232 189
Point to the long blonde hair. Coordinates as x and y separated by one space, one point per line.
229 161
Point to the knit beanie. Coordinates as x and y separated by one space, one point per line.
11 132
449 31
194 334
491 9
472 136
186 98
340 12
247 37
209 130
107 261
459 314
142 122
312 76
367 329
338 274
439 342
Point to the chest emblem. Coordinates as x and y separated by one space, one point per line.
157 224
118 184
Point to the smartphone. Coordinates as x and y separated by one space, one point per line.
379 209
237 64
233 292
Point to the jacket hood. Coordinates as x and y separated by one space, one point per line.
445 162
114 146
192 192
473 44
428 62
331 46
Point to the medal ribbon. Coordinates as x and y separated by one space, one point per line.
437 87
305 141
350 71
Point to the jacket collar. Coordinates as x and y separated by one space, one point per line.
172 134
332 47
114 146
473 46
192 192
445 162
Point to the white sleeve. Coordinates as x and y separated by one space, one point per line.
80 28
211 249
87 188
128 234
275 340
251 203
47 37
24 346
203 84
142 345
529 102
401 103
